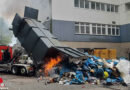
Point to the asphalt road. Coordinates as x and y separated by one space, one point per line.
14 82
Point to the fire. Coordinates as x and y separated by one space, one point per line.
52 62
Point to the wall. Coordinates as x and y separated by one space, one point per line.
124 13
94 45
125 33
125 49
65 10
65 31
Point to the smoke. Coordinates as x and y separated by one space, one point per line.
5 35
10 7
7 12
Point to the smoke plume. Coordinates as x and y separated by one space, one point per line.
5 35
10 7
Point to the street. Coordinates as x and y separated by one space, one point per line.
14 82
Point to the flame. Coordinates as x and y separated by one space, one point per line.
53 62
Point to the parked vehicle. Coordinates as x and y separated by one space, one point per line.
17 63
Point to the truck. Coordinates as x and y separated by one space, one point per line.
16 63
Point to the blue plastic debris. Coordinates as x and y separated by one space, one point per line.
115 63
109 61
79 78
95 58
108 70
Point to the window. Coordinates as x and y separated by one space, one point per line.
77 28
99 29
103 29
87 29
112 8
127 6
97 6
113 30
116 8
109 30
117 31
102 6
76 3
82 28
92 5
81 3
86 4
108 7
93 28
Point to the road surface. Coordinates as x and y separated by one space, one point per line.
14 82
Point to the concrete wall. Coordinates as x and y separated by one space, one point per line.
65 31
123 49
94 45
125 33
65 10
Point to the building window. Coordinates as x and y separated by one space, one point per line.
76 3
102 6
86 4
94 29
77 28
97 6
97 29
108 7
81 3
113 30
116 8
87 28
93 5
127 6
109 30
82 28
117 31
103 30
112 8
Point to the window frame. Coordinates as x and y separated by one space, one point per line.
77 3
93 29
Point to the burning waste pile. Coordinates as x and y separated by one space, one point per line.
93 70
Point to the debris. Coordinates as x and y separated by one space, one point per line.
124 68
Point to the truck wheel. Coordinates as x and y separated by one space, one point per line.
23 71
14 70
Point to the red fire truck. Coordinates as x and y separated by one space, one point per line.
16 63
3 48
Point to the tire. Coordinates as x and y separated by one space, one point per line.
23 71
14 70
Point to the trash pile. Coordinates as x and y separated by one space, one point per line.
93 70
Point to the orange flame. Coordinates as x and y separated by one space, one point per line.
53 62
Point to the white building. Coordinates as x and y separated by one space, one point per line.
91 23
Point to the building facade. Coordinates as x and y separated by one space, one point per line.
86 24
